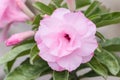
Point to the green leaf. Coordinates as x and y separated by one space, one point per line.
111 44
12 54
98 67
26 71
57 2
64 5
99 35
82 3
118 74
109 60
106 19
95 9
43 8
33 53
52 6
89 74
36 22
82 66
60 75
8 66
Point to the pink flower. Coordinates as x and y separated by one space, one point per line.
10 12
66 39
19 37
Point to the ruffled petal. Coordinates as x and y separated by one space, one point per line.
78 21
88 46
86 59
51 22
55 66
59 13
70 62
45 54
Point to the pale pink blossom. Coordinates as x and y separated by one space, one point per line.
66 39
71 4
19 37
10 12
24 8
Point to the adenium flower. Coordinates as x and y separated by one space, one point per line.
19 37
66 39
11 12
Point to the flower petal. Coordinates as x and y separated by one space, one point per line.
79 22
59 13
45 54
70 62
86 59
55 66
88 46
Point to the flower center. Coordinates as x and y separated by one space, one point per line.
67 37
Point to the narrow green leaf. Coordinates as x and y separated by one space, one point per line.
26 71
33 53
52 6
89 74
109 60
111 44
79 3
61 75
57 2
107 19
118 57
92 8
36 22
8 66
12 54
82 66
118 75
95 9
97 67
43 8
64 5
82 3
99 35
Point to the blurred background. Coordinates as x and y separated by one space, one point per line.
110 31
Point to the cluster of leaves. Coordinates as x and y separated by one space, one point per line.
104 63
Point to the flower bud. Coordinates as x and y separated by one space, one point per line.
19 37
71 4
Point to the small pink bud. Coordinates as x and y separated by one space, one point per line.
71 4
19 37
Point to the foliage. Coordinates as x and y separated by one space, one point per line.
104 62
